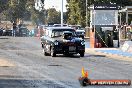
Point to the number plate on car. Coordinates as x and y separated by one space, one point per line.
72 48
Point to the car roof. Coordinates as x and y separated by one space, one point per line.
59 25
80 31
59 28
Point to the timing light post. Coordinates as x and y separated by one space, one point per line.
62 14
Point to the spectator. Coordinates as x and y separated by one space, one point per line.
1 31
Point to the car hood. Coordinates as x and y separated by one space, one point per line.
73 39
61 39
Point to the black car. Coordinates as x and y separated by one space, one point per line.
23 32
7 33
62 40
20 32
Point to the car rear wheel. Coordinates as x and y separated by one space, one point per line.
53 54
81 54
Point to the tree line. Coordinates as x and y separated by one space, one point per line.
76 9
13 10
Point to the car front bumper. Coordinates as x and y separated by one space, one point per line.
69 49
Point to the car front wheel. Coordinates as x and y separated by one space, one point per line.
45 53
53 54
81 54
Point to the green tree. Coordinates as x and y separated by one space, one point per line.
3 8
76 12
76 9
37 17
73 14
3 5
53 16
65 17
16 9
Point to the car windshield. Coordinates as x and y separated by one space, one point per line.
79 32
59 32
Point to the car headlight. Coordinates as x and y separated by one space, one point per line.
56 42
82 42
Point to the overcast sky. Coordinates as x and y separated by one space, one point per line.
56 4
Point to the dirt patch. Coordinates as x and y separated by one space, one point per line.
5 63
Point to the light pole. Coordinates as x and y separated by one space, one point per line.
62 14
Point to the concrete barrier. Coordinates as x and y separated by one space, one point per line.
127 46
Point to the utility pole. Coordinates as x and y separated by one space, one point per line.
62 14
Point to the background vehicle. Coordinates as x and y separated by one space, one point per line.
23 32
7 32
80 33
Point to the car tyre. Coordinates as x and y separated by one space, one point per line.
81 54
45 53
53 54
